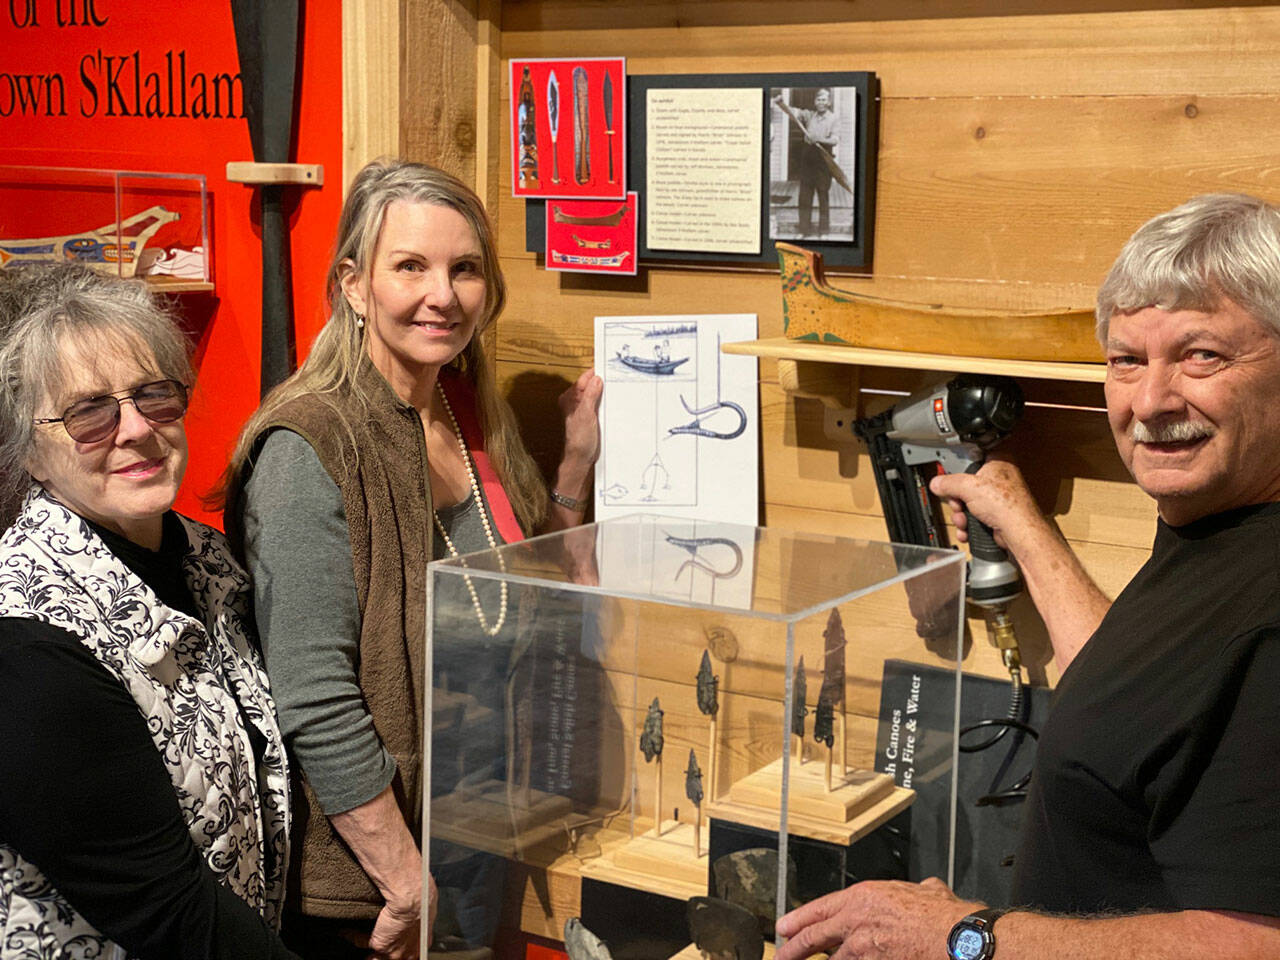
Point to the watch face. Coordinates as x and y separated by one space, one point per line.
968 944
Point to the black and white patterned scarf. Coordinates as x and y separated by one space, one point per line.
186 678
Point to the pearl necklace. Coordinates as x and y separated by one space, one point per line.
484 520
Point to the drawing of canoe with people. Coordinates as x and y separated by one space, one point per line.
113 248
660 364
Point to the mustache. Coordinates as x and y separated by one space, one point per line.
1179 431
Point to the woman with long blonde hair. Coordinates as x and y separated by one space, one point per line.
390 446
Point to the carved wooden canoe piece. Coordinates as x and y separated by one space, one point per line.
814 310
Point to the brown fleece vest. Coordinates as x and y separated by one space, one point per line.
386 494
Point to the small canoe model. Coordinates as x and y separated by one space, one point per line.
113 248
814 310
616 260
605 220
644 365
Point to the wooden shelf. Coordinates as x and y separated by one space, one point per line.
169 285
780 348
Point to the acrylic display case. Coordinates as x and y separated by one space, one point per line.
152 225
671 709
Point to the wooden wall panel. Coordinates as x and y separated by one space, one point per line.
812 483
977 204
438 79
490 123
1020 145
682 14
1052 188
371 116
1104 54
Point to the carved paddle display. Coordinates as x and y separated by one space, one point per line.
585 100
528 133
581 126
608 122
553 121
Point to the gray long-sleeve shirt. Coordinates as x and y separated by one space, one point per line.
298 552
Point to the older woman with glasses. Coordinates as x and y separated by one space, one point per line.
143 793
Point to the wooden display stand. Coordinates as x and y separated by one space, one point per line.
664 864
495 817
858 803
808 795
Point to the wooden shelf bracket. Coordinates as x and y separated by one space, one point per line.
296 174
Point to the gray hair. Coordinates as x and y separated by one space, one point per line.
45 307
1213 246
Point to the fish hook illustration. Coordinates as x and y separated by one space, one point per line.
694 544
696 428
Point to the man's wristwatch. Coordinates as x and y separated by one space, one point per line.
973 938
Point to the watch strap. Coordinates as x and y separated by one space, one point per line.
569 502
987 917
984 921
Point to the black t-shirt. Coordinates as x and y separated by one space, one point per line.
85 796
1156 776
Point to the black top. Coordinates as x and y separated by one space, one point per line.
1155 785
87 799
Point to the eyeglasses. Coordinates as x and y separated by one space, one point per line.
96 418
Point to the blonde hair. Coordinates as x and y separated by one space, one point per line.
329 372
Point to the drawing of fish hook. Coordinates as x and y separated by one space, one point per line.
694 544
696 428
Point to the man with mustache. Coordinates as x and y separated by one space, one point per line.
1153 824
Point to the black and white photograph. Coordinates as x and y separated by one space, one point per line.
812 160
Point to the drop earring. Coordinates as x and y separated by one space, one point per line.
359 321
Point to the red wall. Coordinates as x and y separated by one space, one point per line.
230 318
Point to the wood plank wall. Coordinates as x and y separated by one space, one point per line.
1017 153
1021 143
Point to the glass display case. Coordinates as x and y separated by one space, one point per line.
672 709
152 225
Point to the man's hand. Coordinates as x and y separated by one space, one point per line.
997 495
1066 597
890 919
875 919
